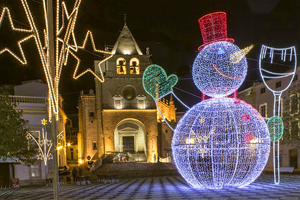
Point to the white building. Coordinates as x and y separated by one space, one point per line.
30 97
261 98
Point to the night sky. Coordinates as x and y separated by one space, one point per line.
169 28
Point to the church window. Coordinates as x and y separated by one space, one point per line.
121 66
118 101
134 66
141 102
94 145
91 114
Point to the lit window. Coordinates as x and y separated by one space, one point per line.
121 66
35 170
294 104
118 101
262 90
263 110
278 84
141 102
134 66
94 145
295 130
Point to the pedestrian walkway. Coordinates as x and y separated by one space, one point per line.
173 187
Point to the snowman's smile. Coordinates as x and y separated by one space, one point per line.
224 74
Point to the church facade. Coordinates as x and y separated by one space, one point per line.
120 117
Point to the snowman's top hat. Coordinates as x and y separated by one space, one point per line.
213 28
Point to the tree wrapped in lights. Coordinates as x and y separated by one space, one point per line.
213 146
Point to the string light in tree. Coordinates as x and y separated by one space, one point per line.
43 143
220 152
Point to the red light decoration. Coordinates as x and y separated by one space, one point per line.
245 117
213 28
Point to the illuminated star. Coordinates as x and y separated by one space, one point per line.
238 56
100 77
65 30
21 59
44 122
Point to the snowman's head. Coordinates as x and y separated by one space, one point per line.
219 69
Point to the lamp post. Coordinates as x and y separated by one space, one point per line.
51 64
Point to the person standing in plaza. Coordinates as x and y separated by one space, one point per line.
74 173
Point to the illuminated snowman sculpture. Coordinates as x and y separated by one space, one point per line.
220 141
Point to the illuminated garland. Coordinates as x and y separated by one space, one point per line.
43 143
286 55
213 72
214 147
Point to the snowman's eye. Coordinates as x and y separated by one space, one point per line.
221 51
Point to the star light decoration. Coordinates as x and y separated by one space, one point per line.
43 143
21 59
82 47
65 44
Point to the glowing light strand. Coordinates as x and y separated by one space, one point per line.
43 144
277 92
22 60
100 77
156 102
64 32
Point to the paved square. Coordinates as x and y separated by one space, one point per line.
173 187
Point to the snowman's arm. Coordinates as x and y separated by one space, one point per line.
163 116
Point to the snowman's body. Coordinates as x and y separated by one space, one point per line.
214 145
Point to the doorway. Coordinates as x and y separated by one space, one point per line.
293 158
128 144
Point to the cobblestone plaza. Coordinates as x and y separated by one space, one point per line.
173 187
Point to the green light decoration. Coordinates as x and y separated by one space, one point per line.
156 82
275 125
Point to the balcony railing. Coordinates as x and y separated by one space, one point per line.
27 99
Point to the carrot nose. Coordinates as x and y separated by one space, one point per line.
238 56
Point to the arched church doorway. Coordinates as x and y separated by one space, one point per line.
130 137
